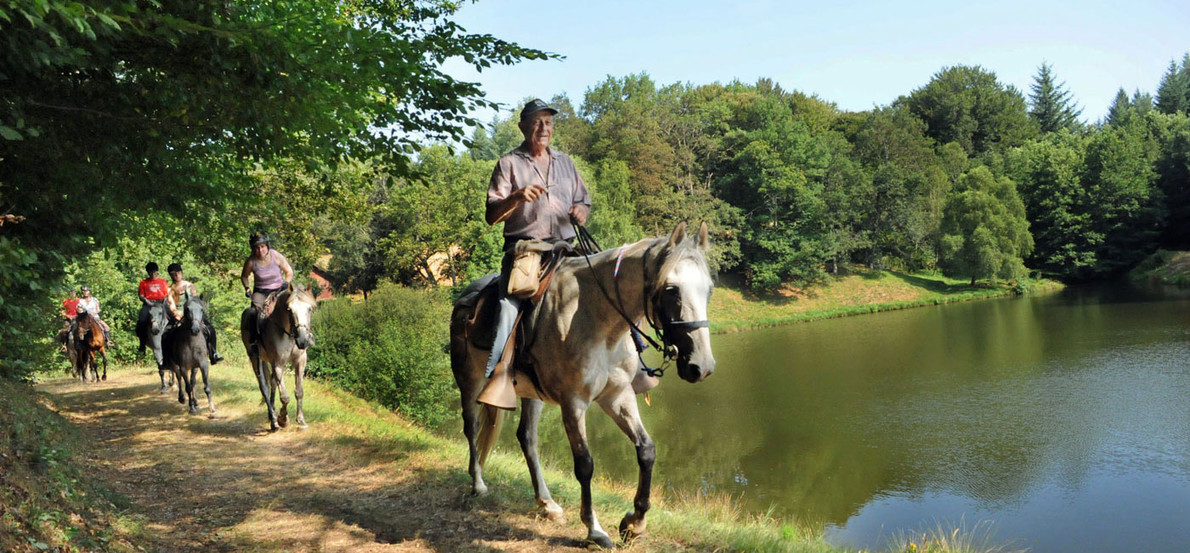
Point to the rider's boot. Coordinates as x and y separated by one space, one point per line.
213 353
500 390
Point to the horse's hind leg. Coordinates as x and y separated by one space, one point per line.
266 390
526 434
279 385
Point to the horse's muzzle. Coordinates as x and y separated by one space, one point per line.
302 338
696 368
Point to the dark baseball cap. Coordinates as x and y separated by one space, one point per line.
535 106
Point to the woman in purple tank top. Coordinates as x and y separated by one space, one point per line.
269 270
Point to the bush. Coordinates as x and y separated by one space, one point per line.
388 349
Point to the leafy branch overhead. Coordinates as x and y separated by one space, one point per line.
145 96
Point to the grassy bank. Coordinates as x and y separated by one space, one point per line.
1164 267
733 309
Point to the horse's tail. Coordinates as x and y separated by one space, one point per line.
490 421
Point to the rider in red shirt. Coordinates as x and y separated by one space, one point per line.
70 306
151 289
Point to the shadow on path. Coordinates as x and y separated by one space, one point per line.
225 484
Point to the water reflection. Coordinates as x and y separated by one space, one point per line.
1064 419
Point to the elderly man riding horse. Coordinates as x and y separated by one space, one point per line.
534 191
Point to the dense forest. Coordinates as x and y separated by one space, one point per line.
133 131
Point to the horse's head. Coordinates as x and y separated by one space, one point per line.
301 304
157 316
679 301
194 308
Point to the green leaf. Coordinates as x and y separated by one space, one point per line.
9 133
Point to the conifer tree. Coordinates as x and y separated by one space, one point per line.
1050 103
1173 94
1119 108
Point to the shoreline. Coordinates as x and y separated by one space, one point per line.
734 309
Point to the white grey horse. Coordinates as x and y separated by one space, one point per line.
151 337
284 337
185 350
582 354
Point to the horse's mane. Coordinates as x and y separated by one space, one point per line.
668 258
303 295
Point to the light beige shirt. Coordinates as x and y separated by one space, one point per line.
548 216
176 290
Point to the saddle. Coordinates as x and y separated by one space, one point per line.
480 330
262 314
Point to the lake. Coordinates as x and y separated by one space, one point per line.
1062 421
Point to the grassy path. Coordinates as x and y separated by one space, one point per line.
359 479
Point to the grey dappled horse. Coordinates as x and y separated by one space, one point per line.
185 350
582 352
285 335
151 336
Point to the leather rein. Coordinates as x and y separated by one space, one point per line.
662 328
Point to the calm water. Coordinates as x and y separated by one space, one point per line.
1064 420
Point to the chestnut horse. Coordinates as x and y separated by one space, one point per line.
88 340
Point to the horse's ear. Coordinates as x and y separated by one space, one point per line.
704 243
291 287
678 234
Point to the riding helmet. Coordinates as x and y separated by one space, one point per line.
258 238
151 267
84 288
174 268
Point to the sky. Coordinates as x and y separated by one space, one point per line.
857 55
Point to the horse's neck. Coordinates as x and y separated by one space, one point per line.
612 295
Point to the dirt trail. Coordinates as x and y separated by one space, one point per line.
226 484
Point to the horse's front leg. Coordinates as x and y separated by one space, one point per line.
299 373
279 385
623 409
181 376
104 354
574 418
191 382
526 434
205 365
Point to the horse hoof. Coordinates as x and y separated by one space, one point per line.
211 415
600 542
553 512
631 527
302 424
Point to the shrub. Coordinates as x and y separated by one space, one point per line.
388 349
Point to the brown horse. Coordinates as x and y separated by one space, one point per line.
88 340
